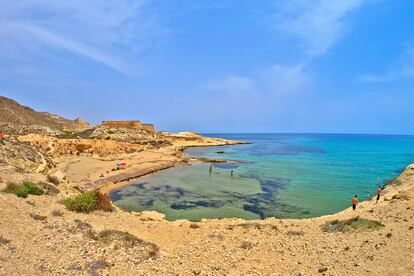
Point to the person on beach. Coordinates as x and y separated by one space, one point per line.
210 170
231 173
379 191
354 202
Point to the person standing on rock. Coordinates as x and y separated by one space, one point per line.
354 202
2 138
379 191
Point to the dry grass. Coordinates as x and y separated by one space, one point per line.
253 225
53 179
38 217
246 245
104 201
3 241
56 213
355 224
295 233
194 226
128 240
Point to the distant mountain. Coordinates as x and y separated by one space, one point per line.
14 114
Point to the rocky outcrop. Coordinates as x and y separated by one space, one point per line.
129 135
81 123
23 156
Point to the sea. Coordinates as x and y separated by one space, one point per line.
277 175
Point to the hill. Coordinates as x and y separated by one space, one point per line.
14 115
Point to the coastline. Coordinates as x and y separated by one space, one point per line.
213 246
128 179
125 179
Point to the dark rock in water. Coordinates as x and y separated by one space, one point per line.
220 152
227 166
254 208
194 204
180 191
182 206
148 203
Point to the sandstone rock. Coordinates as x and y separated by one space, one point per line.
152 215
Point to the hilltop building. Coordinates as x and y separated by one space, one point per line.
130 124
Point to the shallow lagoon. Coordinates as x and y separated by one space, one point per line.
281 175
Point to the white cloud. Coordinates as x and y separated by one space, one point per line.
318 23
275 82
47 38
107 32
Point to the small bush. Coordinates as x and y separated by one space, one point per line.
85 202
129 240
53 179
23 190
67 134
38 217
56 213
353 224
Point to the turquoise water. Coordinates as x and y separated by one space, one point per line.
279 175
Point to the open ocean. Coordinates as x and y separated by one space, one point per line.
280 175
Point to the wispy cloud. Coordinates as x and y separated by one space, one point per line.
319 24
403 68
272 84
107 32
48 38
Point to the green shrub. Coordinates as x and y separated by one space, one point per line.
68 134
33 188
25 189
85 202
22 191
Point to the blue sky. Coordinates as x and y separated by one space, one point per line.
215 66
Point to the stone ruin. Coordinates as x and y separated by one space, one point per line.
130 124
